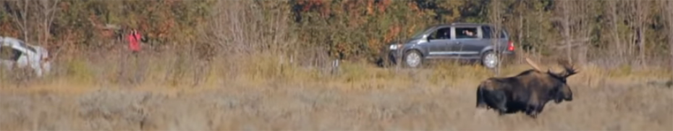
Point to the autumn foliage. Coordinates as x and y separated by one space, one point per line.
621 31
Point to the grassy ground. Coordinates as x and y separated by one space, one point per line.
361 97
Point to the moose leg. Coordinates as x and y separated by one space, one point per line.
540 107
502 107
501 104
480 100
532 111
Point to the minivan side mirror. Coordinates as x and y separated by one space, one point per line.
429 37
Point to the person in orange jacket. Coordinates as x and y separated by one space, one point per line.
134 39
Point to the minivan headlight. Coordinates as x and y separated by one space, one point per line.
395 46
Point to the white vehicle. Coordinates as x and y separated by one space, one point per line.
16 52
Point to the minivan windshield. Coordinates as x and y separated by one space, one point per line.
419 34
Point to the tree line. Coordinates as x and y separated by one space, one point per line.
621 32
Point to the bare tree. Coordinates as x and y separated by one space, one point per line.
565 6
636 15
495 17
617 45
582 27
239 29
49 9
669 18
243 28
19 11
28 14
641 12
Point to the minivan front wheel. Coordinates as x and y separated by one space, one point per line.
489 60
412 59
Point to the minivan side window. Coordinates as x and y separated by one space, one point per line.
22 44
487 31
443 33
466 32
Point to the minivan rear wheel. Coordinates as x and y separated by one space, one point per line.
489 60
412 59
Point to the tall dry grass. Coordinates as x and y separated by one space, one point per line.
261 94
240 48
245 45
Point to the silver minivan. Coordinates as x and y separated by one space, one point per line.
463 41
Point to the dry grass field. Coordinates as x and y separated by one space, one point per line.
359 98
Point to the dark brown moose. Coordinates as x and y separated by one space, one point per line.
528 91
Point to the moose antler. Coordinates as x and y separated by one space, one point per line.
568 69
531 63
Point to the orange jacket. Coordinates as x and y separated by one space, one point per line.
134 41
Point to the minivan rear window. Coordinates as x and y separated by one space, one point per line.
488 32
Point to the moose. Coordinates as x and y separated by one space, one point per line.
529 91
